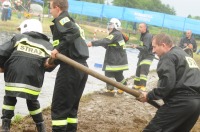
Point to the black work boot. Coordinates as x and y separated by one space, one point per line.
41 127
5 125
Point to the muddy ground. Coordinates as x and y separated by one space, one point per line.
102 113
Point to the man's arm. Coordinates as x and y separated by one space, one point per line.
167 80
68 31
103 42
194 44
146 43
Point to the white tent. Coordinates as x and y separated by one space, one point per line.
36 9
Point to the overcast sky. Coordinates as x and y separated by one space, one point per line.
184 7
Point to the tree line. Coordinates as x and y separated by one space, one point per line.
151 5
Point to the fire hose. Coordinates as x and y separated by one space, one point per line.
102 78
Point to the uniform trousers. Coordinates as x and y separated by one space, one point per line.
178 114
69 86
33 107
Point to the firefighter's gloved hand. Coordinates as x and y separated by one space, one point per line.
142 97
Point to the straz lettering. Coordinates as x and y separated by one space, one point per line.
30 50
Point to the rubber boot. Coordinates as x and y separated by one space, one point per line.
109 87
5 125
136 87
41 127
110 90
119 91
143 89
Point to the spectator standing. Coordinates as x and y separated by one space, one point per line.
188 43
6 5
18 7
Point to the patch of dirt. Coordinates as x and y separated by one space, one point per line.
101 113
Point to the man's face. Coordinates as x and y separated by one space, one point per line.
54 10
159 50
188 34
142 28
110 27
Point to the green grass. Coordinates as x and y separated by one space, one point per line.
11 25
197 58
17 118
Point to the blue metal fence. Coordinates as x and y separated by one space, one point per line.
134 15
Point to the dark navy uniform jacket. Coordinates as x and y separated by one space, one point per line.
115 57
178 75
23 59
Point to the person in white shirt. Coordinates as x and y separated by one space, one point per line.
5 7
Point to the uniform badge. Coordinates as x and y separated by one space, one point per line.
110 37
64 20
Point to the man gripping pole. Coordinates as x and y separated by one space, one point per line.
95 74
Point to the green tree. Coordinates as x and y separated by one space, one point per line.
197 17
193 17
189 16
151 5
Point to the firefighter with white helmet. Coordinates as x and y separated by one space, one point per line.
115 61
30 25
114 23
23 60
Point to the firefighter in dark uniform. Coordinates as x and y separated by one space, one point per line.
115 61
178 87
188 43
23 60
145 58
70 82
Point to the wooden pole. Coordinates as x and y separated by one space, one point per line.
103 78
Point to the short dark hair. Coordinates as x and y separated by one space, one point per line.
62 4
163 38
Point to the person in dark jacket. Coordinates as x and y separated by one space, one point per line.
115 61
70 82
188 43
145 58
23 60
178 87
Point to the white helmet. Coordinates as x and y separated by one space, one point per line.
114 23
30 25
